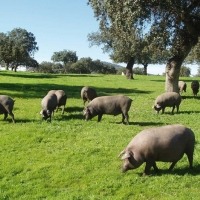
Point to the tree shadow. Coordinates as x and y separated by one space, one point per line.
158 81
72 116
19 90
189 112
146 123
73 109
190 97
25 75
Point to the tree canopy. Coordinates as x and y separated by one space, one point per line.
164 28
17 47
65 56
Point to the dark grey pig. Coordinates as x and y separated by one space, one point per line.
165 144
6 106
88 94
61 98
112 105
195 87
167 99
182 86
49 104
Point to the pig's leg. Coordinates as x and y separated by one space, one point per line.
172 165
5 115
63 109
177 108
148 166
173 109
12 115
125 116
155 167
190 156
99 117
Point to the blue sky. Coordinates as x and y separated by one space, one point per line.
58 25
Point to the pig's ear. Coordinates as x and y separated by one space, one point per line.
128 154
85 111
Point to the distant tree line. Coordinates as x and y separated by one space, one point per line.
18 46
66 62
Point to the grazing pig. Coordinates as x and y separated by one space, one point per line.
167 99
182 86
88 94
165 144
113 105
49 104
195 87
6 106
61 98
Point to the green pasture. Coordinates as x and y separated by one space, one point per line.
70 158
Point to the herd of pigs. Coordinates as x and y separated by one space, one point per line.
166 143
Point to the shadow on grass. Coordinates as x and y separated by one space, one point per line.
181 172
146 123
40 90
191 97
73 109
31 75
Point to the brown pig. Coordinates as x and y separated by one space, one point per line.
165 144
111 105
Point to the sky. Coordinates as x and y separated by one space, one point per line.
57 26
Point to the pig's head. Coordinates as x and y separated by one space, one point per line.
89 113
45 114
157 108
129 161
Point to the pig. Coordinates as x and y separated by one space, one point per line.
6 106
88 94
167 99
49 104
182 86
195 87
61 98
165 144
112 105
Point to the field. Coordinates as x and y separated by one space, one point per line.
71 158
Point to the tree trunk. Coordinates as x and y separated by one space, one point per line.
145 68
188 40
7 66
172 73
129 68
15 69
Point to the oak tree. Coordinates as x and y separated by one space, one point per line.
17 47
172 26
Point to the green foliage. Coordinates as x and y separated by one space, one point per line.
147 32
65 56
194 55
17 48
45 67
138 70
70 158
185 71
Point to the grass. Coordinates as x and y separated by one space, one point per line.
70 158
